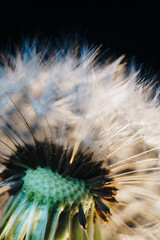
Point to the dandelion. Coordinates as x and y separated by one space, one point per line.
79 149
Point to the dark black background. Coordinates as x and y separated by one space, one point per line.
134 32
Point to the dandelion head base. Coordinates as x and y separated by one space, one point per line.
47 188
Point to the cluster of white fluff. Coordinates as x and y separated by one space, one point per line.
78 90
98 106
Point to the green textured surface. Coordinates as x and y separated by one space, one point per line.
44 185
49 200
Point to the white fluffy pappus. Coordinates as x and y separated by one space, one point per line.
75 101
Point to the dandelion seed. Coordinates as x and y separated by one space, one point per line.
79 150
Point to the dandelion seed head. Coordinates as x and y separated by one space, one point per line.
79 148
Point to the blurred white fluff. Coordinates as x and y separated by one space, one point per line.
105 109
84 91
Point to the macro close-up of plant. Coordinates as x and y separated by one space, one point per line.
79 148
